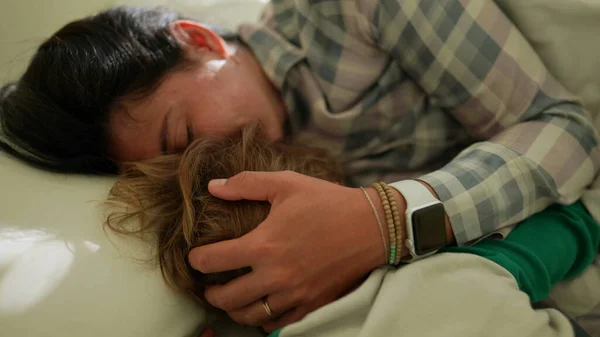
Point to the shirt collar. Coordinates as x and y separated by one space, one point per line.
277 56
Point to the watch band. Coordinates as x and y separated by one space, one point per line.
415 194
417 197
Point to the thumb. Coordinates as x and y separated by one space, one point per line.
260 186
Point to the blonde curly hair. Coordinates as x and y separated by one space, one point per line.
169 196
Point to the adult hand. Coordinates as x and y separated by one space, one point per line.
319 240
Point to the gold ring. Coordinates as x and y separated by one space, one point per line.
267 307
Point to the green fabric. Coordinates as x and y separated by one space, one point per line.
275 333
556 244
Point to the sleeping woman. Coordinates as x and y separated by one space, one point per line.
169 196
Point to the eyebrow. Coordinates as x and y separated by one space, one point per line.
163 132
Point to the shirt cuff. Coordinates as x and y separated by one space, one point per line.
460 207
499 234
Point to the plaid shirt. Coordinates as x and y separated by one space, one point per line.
449 92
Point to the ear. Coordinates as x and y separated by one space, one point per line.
193 34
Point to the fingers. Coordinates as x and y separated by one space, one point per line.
255 314
239 292
222 256
262 186
290 317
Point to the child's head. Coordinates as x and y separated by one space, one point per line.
169 195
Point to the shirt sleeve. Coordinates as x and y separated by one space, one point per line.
533 143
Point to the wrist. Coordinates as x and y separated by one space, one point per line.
375 222
401 204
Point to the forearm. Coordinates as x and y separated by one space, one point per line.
536 147
548 247
516 174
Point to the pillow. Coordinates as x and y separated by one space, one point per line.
227 14
565 34
61 274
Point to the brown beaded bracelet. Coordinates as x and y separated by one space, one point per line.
389 221
397 222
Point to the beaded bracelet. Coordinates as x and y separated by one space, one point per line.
389 220
397 222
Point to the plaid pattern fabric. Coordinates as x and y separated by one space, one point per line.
446 91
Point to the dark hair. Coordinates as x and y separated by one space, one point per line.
56 116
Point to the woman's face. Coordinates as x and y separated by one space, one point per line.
213 98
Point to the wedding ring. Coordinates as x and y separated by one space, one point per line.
267 307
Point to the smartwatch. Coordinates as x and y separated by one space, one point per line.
425 220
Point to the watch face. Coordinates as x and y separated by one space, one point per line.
429 228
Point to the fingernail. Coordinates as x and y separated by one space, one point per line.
217 182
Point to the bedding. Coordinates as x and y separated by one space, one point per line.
61 275
565 35
419 299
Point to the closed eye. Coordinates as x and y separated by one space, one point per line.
164 146
190 135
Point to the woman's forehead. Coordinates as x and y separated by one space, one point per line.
133 131
136 123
